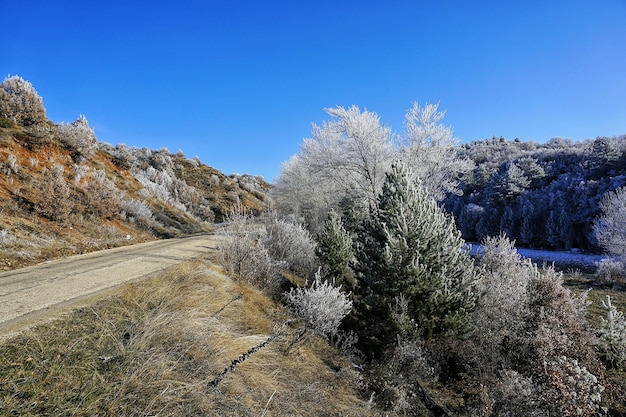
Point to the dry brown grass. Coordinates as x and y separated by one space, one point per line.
152 349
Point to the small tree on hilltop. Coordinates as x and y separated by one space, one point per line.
411 248
20 102
79 137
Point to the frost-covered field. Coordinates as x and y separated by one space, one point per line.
562 260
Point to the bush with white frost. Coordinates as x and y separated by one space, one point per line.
242 253
611 271
504 297
79 137
288 241
56 201
101 195
321 307
6 238
137 210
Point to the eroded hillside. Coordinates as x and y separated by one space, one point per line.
63 192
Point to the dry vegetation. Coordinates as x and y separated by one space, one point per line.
192 341
53 205
153 349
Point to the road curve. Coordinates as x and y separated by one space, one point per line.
37 289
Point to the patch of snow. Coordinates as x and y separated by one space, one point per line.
561 259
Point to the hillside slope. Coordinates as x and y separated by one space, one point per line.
63 192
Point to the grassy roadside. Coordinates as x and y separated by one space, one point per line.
153 347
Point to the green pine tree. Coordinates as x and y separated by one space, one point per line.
410 247
334 249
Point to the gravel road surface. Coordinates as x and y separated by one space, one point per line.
35 292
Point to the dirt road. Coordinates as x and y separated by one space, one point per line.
35 292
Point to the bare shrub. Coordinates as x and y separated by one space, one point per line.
611 271
20 102
205 212
288 241
515 395
101 195
243 254
56 201
555 349
572 389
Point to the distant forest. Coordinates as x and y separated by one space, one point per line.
540 195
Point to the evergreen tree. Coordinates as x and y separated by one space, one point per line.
411 248
334 249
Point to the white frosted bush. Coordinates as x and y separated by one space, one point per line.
242 253
101 195
163 185
321 307
6 238
503 299
611 271
137 209
11 164
56 202
288 241
79 137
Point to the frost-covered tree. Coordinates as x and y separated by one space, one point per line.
411 248
504 296
334 250
612 336
20 102
430 150
610 228
511 182
299 191
348 154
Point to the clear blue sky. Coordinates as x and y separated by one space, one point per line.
238 83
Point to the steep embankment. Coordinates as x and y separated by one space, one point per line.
62 192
